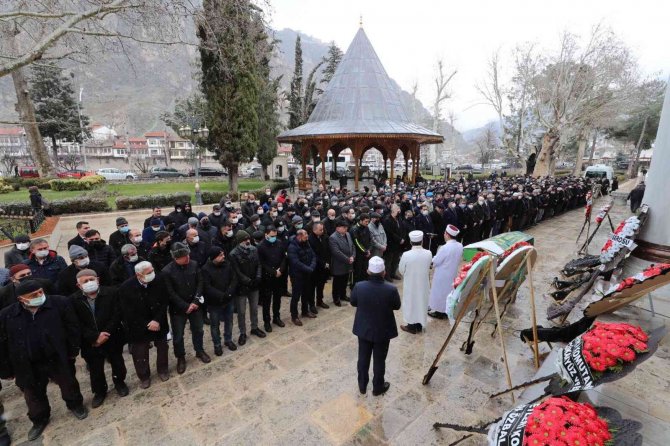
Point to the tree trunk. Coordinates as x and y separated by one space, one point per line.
580 154
546 161
54 148
593 146
232 178
26 111
632 169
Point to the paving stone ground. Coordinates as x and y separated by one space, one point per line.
298 385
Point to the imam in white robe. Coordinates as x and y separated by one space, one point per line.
415 269
446 263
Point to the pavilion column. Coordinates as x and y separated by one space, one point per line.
392 160
406 168
417 161
385 157
303 160
356 153
323 154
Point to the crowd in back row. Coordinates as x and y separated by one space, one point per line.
203 268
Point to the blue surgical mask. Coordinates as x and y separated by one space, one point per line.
272 239
124 229
37 301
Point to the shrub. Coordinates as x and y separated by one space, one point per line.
59 207
149 201
94 180
212 197
86 183
18 183
6 188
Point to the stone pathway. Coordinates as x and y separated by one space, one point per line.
298 385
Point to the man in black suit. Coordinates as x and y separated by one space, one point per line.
374 325
80 238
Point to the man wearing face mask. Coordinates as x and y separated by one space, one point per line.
98 250
247 267
296 225
329 222
318 241
43 262
178 216
225 238
102 337
183 281
220 283
39 338
124 267
377 237
67 279
143 304
19 253
17 274
395 242
136 239
120 237
272 257
216 217
255 224
198 250
149 233
302 263
209 231
160 256
424 224
249 207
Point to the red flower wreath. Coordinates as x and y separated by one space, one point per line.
560 421
648 273
511 249
463 272
607 347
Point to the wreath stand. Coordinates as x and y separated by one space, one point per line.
584 248
476 294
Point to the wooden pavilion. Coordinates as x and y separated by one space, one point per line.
360 109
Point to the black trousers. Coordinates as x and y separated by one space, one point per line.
377 351
340 287
270 294
314 294
36 394
96 366
360 268
391 261
140 353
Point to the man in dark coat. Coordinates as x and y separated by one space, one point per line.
80 238
67 279
123 268
39 340
19 252
635 196
342 254
102 337
160 256
17 274
395 241
272 257
98 249
143 303
183 281
247 267
374 324
119 237
362 242
179 216
424 223
44 262
302 261
219 282
439 226
318 241
197 247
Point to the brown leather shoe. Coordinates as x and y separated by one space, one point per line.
181 365
408 329
164 376
145 384
204 357
297 321
309 315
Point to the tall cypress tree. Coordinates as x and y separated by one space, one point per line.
295 108
332 60
268 107
56 106
228 37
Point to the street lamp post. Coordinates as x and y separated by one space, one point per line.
193 134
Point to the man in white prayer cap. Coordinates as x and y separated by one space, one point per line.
446 263
415 270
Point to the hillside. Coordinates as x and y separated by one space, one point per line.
130 91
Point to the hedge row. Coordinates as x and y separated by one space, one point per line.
18 183
149 201
85 183
67 206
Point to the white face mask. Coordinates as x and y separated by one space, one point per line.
37 301
196 239
90 287
274 214
234 220
22 246
156 228
217 213
260 212
331 217
315 219
280 208
134 258
281 229
137 239
42 253
149 277
424 212
83 262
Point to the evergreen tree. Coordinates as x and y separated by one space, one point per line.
55 106
295 97
229 35
311 93
332 60
268 112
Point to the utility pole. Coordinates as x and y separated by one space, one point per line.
82 146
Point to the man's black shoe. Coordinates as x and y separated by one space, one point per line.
98 399
407 328
205 320
218 351
438 315
345 298
231 346
383 389
203 356
363 390
338 303
80 412
313 310
242 340
268 327
322 305
181 365
121 389
37 429
258 332
279 323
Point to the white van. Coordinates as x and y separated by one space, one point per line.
599 171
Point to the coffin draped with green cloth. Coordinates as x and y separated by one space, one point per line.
496 245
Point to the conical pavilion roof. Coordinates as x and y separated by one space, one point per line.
360 100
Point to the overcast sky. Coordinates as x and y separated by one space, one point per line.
410 35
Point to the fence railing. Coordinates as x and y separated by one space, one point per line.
19 222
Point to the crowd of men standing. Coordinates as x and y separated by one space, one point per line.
142 285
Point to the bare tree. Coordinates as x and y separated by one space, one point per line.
9 163
142 165
69 161
442 93
490 89
486 143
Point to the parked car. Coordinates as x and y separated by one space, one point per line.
73 173
165 172
252 172
111 173
28 172
208 172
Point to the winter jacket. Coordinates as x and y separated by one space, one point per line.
272 257
140 305
301 259
50 267
183 284
247 267
341 249
377 239
219 283
101 252
67 279
106 317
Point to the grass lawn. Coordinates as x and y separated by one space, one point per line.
131 189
